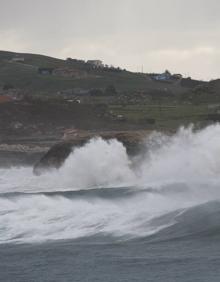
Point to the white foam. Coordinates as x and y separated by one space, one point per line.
185 167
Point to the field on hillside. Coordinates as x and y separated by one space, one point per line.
135 99
164 115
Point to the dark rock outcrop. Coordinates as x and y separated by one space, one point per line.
55 157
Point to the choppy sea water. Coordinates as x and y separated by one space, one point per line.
105 217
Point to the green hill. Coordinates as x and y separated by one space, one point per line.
117 99
25 75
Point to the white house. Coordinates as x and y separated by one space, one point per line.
163 76
96 63
18 59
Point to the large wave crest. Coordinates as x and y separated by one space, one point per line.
101 191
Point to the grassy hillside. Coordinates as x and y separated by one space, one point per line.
24 75
139 102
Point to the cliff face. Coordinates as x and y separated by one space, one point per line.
57 154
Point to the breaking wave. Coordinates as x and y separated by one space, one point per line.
170 190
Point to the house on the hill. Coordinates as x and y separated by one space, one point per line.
96 63
70 133
69 72
17 59
166 76
5 99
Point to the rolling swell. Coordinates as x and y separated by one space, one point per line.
200 222
91 193
111 214
108 193
119 213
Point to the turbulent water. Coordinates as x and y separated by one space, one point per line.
103 214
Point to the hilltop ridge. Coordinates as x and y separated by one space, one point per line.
39 74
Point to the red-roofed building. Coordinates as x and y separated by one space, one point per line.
5 99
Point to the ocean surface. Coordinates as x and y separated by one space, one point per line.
106 217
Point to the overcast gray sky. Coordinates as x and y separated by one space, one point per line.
180 35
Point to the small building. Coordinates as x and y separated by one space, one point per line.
17 59
163 76
5 99
70 133
96 63
69 72
45 71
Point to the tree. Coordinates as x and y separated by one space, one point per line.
110 90
96 92
8 86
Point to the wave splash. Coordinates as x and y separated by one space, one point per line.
86 197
